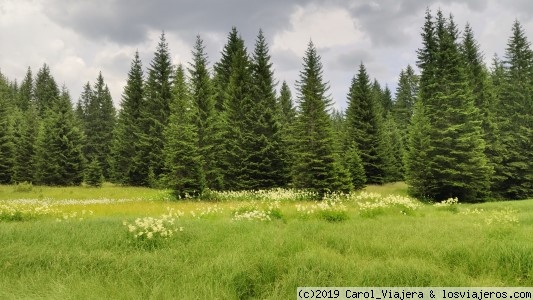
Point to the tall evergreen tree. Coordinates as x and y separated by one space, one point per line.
515 111
7 134
99 122
455 165
287 121
264 153
24 169
129 165
317 167
364 126
239 102
82 106
157 108
45 91
203 97
183 160
59 154
484 99
25 93
403 107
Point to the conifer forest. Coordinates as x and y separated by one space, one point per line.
454 127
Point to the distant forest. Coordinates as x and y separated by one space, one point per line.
459 128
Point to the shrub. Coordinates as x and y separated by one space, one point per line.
23 187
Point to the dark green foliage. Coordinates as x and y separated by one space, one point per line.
129 165
316 164
27 131
25 92
156 110
515 117
59 155
183 161
45 91
403 107
223 68
203 97
354 165
7 134
287 117
98 119
455 165
418 173
395 150
263 147
93 174
364 127
484 100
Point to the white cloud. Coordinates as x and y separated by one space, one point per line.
328 27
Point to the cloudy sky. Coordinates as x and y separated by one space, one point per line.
78 38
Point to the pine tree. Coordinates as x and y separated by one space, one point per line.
287 120
484 100
129 165
7 134
316 168
98 123
45 91
157 108
455 165
354 165
223 68
395 150
25 93
183 161
264 153
403 107
364 126
24 169
59 156
93 175
203 97
82 106
419 175
515 112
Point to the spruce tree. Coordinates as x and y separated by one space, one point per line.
287 118
316 165
24 169
98 123
45 91
183 160
7 134
455 161
203 98
264 152
94 176
484 99
129 165
395 150
354 165
59 155
364 126
156 111
25 93
515 113
403 107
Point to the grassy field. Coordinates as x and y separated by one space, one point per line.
79 243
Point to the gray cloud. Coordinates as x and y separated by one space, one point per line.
128 21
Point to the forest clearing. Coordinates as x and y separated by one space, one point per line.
70 242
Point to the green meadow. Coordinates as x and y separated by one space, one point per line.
90 243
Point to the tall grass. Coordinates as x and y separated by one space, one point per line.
217 257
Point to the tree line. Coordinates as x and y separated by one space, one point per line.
456 129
